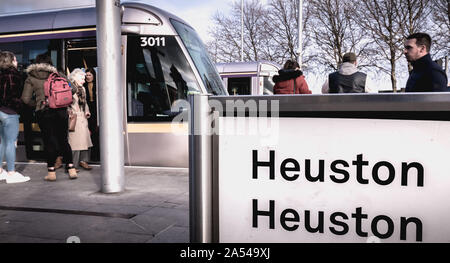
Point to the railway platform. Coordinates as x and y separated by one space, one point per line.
154 208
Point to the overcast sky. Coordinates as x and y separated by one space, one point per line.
197 13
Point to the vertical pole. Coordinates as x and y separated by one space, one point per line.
300 33
446 64
242 30
200 170
110 95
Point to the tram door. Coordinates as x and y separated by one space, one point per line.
82 53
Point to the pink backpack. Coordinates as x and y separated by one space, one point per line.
57 91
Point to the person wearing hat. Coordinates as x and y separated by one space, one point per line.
347 79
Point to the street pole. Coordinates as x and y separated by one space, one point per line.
110 95
242 30
300 33
200 171
446 64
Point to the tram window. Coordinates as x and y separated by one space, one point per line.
157 76
268 85
27 51
239 86
199 55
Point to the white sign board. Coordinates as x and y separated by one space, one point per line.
336 180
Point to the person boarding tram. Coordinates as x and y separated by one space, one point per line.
53 122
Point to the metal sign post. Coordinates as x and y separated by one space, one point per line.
110 95
200 170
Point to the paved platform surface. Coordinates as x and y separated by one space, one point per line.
154 208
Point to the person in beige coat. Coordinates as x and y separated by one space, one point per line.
80 138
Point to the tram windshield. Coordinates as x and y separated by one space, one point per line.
199 55
158 74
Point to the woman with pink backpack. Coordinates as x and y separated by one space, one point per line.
53 122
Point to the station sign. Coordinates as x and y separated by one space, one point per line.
335 180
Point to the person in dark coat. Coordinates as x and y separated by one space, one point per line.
11 86
290 80
52 122
91 97
427 75
348 79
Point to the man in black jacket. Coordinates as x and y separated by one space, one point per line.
426 75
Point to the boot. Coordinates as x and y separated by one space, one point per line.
72 172
85 165
51 176
58 162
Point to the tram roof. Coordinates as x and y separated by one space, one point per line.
243 66
68 18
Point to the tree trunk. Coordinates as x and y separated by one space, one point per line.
393 78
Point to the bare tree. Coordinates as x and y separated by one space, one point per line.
270 32
225 44
373 29
441 14
440 10
281 23
388 22
334 31
226 33
282 27
378 18
412 16
254 21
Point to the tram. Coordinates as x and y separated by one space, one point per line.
163 60
248 78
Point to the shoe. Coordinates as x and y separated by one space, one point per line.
58 162
51 176
85 166
16 178
72 172
3 175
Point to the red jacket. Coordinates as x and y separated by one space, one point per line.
284 83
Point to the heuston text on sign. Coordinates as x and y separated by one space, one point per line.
336 180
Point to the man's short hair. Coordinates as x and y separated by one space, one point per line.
44 58
349 57
421 39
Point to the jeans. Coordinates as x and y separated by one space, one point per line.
9 130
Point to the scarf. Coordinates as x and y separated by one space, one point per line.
81 97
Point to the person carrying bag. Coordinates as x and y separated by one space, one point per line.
79 137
